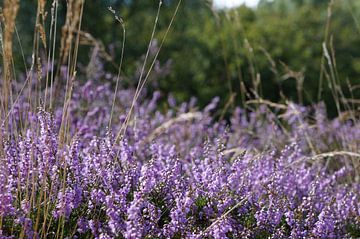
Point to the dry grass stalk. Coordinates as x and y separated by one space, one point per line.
267 102
313 159
142 83
122 23
73 17
223 216
236 152
40 21
10 10
88 40
69 41
181 118
41 9
299 76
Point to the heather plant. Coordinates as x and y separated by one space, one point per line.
80 159
176 173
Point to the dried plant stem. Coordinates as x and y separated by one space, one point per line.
141 84
72 22
267 102
72 61
120 65
181 118
223 216
10 10
326 38
68 52
50 49
138 88
54 14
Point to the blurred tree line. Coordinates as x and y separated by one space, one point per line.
283 49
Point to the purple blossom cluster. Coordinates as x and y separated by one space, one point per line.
286 172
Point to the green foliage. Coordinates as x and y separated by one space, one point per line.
200 203
156 197
248 220
353 229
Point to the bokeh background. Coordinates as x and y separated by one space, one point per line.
277 50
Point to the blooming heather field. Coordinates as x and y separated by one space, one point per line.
84 155
278 171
